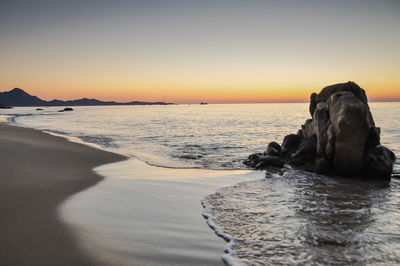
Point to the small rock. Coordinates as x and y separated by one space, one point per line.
267 161
67 109
2 106
252 160
290 142
306 152
379 163
273 149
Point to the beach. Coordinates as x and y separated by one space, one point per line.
146 215
147 209
197 133
55 212
38 172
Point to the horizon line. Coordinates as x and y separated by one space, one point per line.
373 99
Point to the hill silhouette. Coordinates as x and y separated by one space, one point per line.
19 97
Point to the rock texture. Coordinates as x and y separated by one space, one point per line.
339 139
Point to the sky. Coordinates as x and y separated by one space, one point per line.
188 51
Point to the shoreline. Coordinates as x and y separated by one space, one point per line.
39 171
145 215
47 221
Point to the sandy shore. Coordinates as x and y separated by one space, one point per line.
146 215
37 173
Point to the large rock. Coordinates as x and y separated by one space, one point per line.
349 118
340 139
352 87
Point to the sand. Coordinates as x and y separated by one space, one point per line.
139 214
146 215
38 172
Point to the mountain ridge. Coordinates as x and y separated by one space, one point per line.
19 97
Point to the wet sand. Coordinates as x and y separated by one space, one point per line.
37 173
146 215
139 215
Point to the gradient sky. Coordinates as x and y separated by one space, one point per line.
192 51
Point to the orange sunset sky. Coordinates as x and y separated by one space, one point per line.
192 51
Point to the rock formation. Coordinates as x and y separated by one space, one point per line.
67 109
340 139
2 106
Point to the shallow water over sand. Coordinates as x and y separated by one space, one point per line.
303 218
215 136
145 215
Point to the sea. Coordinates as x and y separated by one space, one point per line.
290 217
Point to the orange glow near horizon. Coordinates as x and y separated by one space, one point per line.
196 95
202 51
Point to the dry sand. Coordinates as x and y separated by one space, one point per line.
38 172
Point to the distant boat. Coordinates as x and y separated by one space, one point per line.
203 103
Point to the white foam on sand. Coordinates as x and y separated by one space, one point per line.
230 256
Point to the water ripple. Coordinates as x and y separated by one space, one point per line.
303 218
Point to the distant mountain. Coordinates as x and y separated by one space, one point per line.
18 97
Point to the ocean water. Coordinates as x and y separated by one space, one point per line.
289 218
176 136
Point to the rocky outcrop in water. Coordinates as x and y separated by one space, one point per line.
339 139
67 109
2 106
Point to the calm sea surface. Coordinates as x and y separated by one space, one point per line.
297 218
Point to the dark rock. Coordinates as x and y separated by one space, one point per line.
306 152
321 124
267 161
308 129
374 138
290 143
379 163
274 161
350 122
67 109
323 153
2 106
340 139
253 160
313 103
350 86
273 149
260 161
